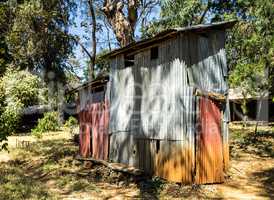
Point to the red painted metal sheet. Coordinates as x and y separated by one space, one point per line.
100 121
84 140
94 121
209 155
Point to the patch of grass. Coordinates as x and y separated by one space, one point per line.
50 166
79 185
73 184
261 143
25 176
14 184
63 181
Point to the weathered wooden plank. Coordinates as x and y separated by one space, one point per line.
115 166
141 154
212 95
153 155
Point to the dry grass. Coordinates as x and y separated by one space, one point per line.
46 169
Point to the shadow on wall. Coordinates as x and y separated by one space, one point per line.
158 155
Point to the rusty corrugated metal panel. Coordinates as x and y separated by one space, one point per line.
84 138
225 134
100 121
94 122
173 161
209 156
173 125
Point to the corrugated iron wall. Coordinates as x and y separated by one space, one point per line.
153 110
225 133
208 69
144 129
94 122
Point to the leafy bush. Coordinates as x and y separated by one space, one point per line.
18 89
21 86
9 119
2 97
71 122
50 122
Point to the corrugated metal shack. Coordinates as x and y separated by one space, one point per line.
169 113
168 109
93 111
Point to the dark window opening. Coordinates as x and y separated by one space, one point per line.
157 146
154 53
129 60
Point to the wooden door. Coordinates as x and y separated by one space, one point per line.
209 155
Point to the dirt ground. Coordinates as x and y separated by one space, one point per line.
47 169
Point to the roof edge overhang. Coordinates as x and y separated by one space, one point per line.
91 84
170 33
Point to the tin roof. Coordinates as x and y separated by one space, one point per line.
169 33
99 81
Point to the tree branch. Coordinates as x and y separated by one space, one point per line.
94 29
83 47
204 13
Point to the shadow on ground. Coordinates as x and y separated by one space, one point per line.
48 170
261 143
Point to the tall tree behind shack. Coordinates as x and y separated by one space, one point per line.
38 37
122 16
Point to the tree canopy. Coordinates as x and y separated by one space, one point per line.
36 34
18 90
250 44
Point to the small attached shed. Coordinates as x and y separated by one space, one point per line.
93 112
169 111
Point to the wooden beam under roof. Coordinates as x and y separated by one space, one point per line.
211 95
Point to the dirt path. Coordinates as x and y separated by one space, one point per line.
251 178
4 157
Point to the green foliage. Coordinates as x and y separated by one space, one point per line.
2 96
4 22
71 122
101 66
50 122
21 86
251 48
37 36
10 118
18 89
176 13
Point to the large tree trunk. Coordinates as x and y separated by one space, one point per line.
94 42
122 25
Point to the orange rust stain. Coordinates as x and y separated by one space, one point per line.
84 141
209 156
174 165
226 156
